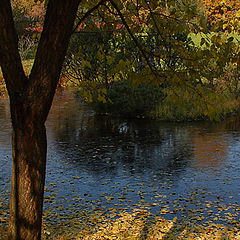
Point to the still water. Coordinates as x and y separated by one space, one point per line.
188 170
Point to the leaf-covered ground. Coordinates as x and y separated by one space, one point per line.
139 224
139 211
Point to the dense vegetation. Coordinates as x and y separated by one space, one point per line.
182 64
192 71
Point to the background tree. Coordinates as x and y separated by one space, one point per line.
27 14
165 45
223 15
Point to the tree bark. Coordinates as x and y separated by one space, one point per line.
29 146
30 101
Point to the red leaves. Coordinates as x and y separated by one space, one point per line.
35 29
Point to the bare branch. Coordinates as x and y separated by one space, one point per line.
88 13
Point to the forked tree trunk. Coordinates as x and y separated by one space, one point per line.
30 101
28 176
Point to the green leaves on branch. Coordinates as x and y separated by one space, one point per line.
162 43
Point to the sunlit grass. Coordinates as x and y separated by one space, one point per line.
180 105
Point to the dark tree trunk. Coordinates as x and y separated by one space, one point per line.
30 101
28 176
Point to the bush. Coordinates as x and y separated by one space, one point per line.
130 101
229 81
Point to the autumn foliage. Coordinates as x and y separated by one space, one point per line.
223 14
30 8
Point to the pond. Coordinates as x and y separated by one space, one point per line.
184 170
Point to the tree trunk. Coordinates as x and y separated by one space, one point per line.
30 101
29 147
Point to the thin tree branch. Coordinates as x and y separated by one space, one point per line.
132 36
88 13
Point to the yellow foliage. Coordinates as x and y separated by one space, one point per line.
30 8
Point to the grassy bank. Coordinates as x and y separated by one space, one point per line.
180 105
173 103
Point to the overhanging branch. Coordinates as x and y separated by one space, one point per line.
138 45
87 14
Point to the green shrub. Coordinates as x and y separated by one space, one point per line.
131 101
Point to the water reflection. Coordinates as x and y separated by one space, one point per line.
103 144
144 144
209 151
90 155
99 141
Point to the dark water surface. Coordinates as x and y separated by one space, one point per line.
188 170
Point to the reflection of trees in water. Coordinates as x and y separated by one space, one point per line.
4 110
211 141
209 150
104 145
67 116
5 145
